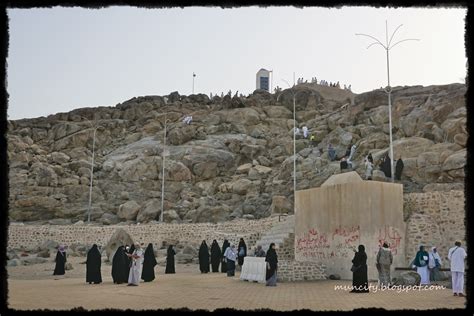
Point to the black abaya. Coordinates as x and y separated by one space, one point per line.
399 169
272 259
120 266
60 268
93 265
223 262
149 263
385 166
240 257
170 260
215 256
360 280
204 258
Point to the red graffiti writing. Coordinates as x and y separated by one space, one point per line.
391 236
315 244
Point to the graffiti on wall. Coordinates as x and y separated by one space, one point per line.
391 236
340 243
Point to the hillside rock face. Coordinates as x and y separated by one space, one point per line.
236 157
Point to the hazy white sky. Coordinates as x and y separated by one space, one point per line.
65 58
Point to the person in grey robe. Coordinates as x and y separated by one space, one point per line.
384 260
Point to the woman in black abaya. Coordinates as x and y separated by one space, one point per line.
215 256
170 260
271 259
204 257
242 252
120 266
149 263
93 264
223 261
60 268
360 282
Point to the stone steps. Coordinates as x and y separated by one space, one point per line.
278 234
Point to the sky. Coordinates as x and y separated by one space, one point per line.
60 59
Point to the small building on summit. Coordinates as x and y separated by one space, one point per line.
263 79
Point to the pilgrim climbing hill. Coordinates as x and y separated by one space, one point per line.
235 158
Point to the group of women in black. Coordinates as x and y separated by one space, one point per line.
121 263
216 257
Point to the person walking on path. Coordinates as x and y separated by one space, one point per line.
204 257
149 263
360 282
434 264
271 259
457 255
225 245
421 263
230 257
215 256
170 260
60 268
136 266
384 260
93 264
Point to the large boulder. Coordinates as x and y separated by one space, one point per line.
128 210
119 238
149 211
407 278
281 204
241 186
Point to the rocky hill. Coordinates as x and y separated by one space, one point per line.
236 157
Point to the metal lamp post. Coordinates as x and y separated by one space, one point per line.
294 137
92 169
163 174
388 90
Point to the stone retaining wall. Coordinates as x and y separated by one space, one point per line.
434 219
290 270
30 236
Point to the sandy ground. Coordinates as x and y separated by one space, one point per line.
34 287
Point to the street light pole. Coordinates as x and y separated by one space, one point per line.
92 169
294 139
388 90
194 75
163 173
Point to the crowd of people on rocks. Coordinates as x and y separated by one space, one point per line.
132 264
427 265
324 83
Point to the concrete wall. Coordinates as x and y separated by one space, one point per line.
333 220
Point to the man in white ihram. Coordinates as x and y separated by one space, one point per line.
136 267
457 255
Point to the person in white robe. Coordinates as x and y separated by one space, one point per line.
305 132
136 266
456 256
434 264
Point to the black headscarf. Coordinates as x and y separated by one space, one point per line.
120 266
360 257
149 263
240 257
223 263
272 259
359 276
170 260
370 158
204 257
93 265
215 256
60 268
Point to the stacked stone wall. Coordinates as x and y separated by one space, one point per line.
30 236
434 219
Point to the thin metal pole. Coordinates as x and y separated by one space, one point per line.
294 148
92 174
193 87
387 48
163 175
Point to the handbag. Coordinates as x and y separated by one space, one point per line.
355 268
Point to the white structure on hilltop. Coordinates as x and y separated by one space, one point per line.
263 79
